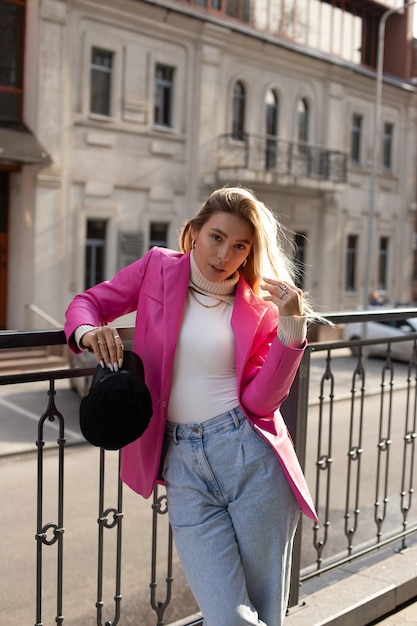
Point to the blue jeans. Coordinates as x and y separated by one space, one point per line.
233 516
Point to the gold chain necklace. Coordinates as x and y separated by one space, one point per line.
206 306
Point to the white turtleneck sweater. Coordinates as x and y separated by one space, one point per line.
204 382
204 376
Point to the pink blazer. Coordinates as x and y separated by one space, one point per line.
156 288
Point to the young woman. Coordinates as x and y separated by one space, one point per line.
221 330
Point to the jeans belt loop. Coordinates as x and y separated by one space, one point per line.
235 418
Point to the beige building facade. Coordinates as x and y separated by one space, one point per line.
144 108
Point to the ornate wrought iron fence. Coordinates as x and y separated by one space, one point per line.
282 157
363 494
346 420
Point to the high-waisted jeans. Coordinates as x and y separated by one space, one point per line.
234 517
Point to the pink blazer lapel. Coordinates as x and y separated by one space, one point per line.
246 317
176 277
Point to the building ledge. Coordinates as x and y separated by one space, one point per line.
360 592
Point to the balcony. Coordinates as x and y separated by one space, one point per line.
268 159
81 548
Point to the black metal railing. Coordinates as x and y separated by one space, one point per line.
341 414
285 158
353 421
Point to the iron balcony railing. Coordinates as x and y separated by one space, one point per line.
289 159
353 422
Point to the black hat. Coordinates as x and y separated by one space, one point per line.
118 407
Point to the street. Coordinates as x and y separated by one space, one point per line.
20 408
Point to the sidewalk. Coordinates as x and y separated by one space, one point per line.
363 593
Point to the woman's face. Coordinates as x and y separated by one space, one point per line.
222 245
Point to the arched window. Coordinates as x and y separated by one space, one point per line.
303 120
238 121
271 110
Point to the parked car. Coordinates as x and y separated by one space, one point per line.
400 350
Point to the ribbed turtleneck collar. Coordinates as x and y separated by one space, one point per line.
223 290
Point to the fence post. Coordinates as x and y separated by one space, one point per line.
294 411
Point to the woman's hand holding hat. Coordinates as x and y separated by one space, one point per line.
106 344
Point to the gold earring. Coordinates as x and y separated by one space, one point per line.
244 263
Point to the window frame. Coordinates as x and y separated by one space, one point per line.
164 95
351 269
238 111
154 241
271 128
356 138
91 246
107 110
300 254
387 146
12 95
383 263
303 121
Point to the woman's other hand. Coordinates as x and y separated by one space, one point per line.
288 298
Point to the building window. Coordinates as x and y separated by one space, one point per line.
239 9
271 104
158 234
387 146
12 26
383 263
351 262
300 242
303 121
95 252
356 139
164 95
238 120
101 81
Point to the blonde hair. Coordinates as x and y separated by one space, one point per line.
267 256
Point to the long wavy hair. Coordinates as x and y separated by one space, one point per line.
267 256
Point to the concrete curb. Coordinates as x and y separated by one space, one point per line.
364 594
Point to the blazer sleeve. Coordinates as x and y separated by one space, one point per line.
107 301
269 374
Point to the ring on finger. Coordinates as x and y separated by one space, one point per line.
282 294
116 336
100 342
